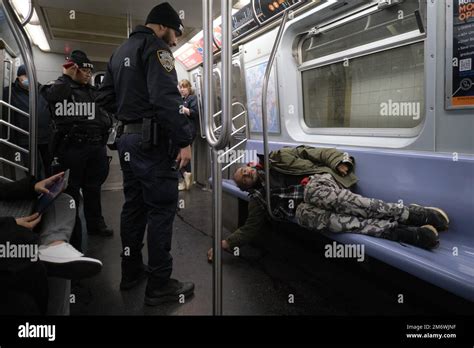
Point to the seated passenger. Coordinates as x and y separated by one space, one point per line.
312 186
52 233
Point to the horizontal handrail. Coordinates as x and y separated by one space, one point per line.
16 147
233 162
233 104
18 129
13 164
5 179
4 103
238 130
231 149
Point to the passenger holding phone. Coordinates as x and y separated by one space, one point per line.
50 231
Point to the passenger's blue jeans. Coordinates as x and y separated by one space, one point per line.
151 196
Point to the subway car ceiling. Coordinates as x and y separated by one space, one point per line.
380 51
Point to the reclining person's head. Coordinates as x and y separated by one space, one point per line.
246 178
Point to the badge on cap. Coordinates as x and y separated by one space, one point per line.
166 59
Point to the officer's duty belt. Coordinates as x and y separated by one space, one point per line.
133 128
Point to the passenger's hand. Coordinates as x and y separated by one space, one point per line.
210 253
42 186
29 222
186 111
343 169
71 71
184 156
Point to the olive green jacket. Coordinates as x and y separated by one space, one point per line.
302 160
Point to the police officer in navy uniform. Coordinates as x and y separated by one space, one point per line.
140 88
79 141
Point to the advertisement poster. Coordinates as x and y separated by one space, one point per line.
254 84
460 36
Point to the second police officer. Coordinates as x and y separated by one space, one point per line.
80 138
140 87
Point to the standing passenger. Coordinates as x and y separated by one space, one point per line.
20 98
190 109
140 87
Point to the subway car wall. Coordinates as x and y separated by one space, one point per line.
320 167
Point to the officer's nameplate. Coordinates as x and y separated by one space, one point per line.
166 59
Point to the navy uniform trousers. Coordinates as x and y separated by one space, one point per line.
89 167
151 198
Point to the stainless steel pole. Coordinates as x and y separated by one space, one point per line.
268 70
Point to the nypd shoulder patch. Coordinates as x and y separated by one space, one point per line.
166 59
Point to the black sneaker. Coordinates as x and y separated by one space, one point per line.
170 292
433 216
425 237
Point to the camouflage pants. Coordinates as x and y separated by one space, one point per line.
328 206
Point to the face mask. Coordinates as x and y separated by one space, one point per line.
26 83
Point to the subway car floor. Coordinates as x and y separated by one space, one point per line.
256 283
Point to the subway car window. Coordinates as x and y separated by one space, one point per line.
380 25
306 164
337 96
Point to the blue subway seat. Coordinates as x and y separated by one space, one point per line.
414 177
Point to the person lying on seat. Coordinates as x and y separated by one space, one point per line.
51 232
311 186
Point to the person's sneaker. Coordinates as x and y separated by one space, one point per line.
425 237
188 180
131 279
419 216
64 261
170 292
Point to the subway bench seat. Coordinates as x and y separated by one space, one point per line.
414 177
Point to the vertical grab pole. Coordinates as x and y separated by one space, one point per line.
268 70
224 137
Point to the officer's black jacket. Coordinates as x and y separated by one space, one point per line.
65 89
141 83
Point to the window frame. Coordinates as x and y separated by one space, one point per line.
405 39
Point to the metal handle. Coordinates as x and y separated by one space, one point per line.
26 51
29 15
224 137
268 70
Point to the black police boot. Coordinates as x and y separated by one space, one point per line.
133 270
100 230
420 216
425 237
171 291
